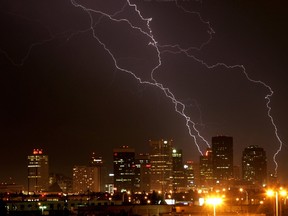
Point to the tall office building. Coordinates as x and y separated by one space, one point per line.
97 164
254 165
206 168
179 177
143 172
124 169
191 170
80 179
88 178
38 172
85 179
161 165
222 157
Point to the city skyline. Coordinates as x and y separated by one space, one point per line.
123 158
61 91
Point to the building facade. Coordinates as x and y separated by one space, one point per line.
191 170
96 164
161 165
143 172
206 168
222 158
88 178
179 176
124 169
38 172
85 179
254 165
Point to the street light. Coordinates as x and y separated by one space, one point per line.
214 201
276 193
246 197
42 208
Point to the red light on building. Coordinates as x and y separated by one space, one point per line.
148 165
37 151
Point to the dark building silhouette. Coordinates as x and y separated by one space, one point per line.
64 182
124 169
178 173
97 163
206 168
222 157
161 165
254 165
143 173
191 170
237 172
38 172
88 178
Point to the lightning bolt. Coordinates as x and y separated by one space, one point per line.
174 49
179 106
258 82
160 49
210 29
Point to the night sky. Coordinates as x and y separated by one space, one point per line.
61 91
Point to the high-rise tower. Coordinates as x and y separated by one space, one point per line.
222 157
161 165
88 178
179 176
124 168
206 168
96 164
38 172
254 165
143 172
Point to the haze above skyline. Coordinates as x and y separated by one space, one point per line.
61 91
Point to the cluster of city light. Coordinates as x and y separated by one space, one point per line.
215 201
276 193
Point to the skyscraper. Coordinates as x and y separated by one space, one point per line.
124 168
81 179
254 165
88 178
192 174
96 164
161 165
222 157
38 172
178 174
206 168
143 172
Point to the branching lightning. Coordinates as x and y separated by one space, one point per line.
210 29
179 106
243 69
160 49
